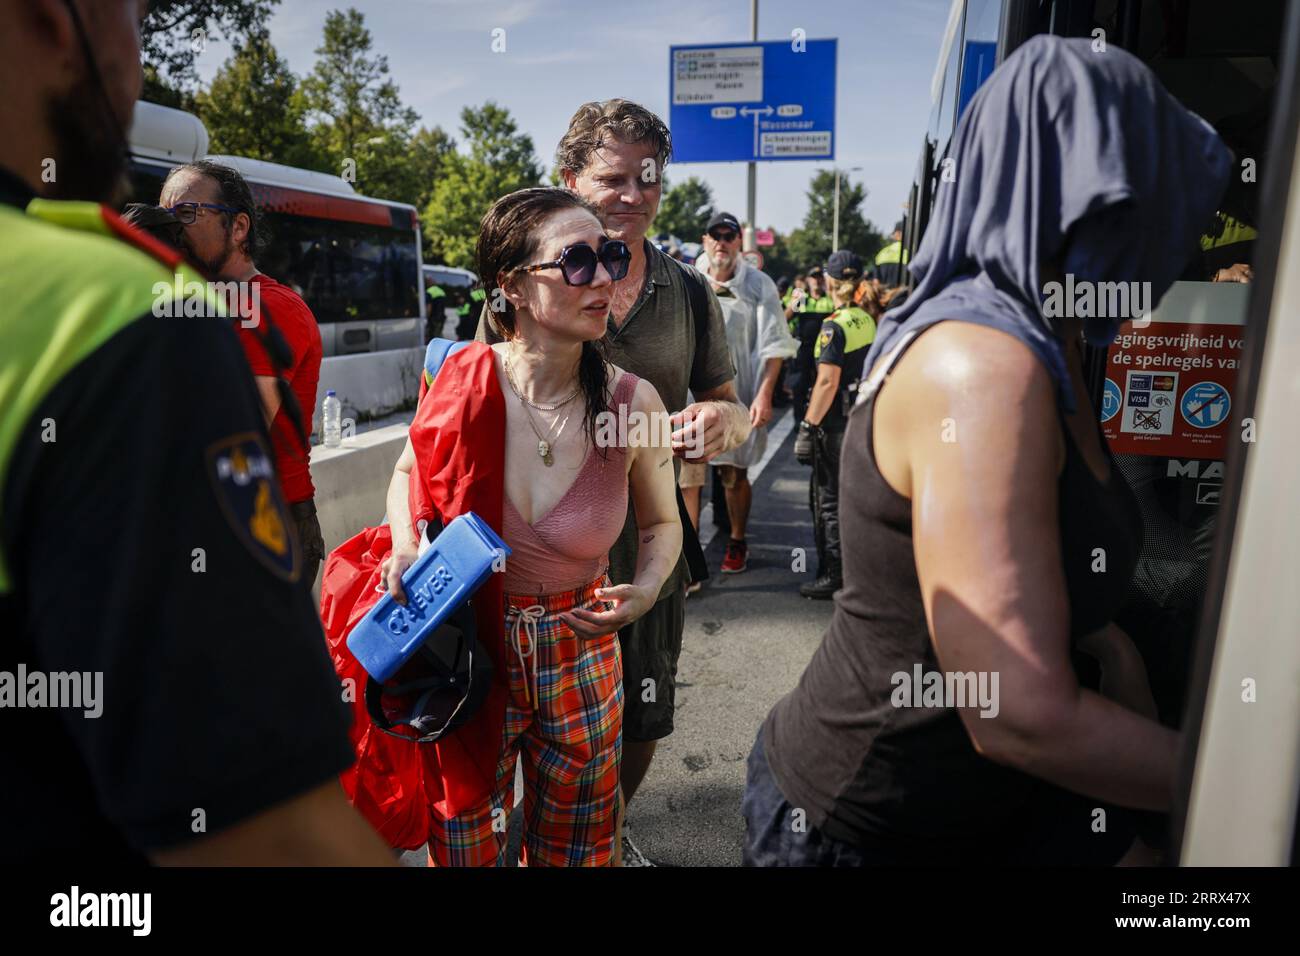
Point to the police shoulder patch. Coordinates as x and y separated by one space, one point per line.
248 491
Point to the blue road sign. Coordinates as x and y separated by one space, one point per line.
1206 404
740 102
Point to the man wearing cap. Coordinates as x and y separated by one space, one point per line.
759 341
840 351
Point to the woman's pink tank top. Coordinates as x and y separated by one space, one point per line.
569 546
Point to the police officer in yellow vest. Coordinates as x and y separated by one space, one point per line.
891 259
469 314
840 352
165 691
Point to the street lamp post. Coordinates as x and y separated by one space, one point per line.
835 227
751 206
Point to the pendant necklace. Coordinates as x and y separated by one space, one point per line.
544 442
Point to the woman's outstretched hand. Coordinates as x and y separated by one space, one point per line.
630 602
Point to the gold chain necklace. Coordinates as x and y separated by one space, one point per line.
544 442
538 405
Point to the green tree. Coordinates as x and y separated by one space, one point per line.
684 210
810 244
175 32
361 126
157 90
499 159
253 108
428 152
777 260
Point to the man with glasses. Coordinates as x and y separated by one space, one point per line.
665 325
220 221
759 341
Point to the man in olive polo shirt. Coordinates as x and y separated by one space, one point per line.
613 155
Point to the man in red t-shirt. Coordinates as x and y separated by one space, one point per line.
221 236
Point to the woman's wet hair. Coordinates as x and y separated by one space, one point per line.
507 239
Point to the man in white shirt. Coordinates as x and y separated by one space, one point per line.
760 341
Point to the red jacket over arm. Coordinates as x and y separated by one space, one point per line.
459 440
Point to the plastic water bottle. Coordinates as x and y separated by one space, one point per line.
333 420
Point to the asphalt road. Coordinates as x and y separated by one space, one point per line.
747 639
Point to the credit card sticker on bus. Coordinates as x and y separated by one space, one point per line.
1169 384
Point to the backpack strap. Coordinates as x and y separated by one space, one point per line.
697 290
438 351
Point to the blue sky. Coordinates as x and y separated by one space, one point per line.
560 53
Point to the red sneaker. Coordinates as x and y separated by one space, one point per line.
737 558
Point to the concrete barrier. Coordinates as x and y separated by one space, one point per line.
352 482
371 384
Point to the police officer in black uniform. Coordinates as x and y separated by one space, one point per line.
165 693
840 351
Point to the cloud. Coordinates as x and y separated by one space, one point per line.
457 15
430 89
552 59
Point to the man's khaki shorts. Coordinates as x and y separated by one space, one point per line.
692 474
651 646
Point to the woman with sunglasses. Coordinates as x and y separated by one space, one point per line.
550 269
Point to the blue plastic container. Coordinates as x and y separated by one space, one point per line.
444 577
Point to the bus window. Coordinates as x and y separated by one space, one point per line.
347 271
979 47
946 118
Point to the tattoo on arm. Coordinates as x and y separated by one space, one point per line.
665 461
647 539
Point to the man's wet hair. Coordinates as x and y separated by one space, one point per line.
232 191
596 123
